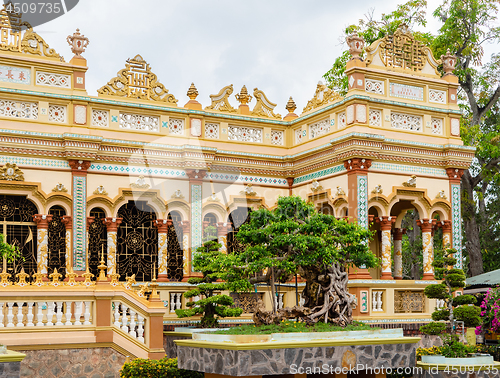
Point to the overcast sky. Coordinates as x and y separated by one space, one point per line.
281 47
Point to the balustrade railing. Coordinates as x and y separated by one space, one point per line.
377 301
129 320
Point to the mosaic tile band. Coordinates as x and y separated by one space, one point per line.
363 201
456 220
196 224
79 222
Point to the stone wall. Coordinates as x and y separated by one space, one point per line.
283 361
10 369
442 374
72 363
169 345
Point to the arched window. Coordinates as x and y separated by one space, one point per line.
237 218
16 221
137 241
175 252
98 240
57 240
326 209
210 220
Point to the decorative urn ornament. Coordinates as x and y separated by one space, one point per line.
356 44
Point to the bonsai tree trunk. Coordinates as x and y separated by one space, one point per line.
327 296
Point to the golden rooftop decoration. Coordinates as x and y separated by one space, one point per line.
87 277
59 188
290 105
21 276
441 195
243 97
402 50
38 276
220 101
412 182
4 275
78 42
129 281
71 275
143 289
192 92
322 96
340 191
102 268
114 279
263 107
377 189
316 186
137 81
11 172
140 183
248 191
12 39
100 190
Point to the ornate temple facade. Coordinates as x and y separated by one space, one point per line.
136 174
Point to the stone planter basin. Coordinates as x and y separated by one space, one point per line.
484 359
298 336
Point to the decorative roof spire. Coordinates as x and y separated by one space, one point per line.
192 92
449 62
356 44
243 97
290 106
78 43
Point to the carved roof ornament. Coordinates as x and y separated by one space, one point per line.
263 107
402 51
177 194
356 45
137 81
140 183
290 105
192 92
378 189
322 96
449 62
220 101
78 43
411 182
213 198
340 191
11 172
441 195
13 40
248 191
243 97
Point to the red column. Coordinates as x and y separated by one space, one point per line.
162 226
42 225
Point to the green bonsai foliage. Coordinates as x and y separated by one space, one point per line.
211 303
459 308
433 328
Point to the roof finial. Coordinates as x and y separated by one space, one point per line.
192 92
290 106
78 43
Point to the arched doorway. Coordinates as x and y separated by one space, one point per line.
237 218
98 240
136 241
16 222
175 251
57 240
210 224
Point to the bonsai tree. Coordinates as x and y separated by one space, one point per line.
294 238
460 307
210 303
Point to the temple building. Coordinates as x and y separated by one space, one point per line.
136 174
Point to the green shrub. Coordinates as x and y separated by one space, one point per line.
452 348
433 328
164 368
470 315
439 291
443 314
464 300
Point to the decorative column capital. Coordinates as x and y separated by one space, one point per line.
67 220
90 220
195 175
186 228
112 223
42 220
162 225
454 175
398 233
223 228
386 222
446 225
79 166
426 225
357 165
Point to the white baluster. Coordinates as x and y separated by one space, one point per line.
124 318
379 301
59 314
374 300
140 328
78 312
39 314
117 314
10 315
132 324
172 302
1 315
87 313
68 313
29 315
20 314
50 314
178 304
